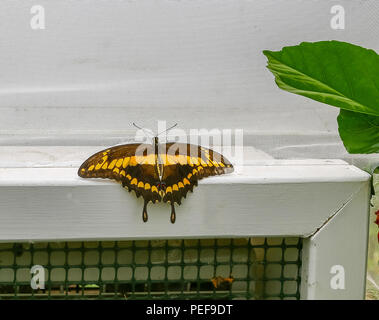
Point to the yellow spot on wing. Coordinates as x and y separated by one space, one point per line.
181 159
122 173
148 159
132 161
140 159
112 164
189 161
195 160
134 181
203 163
221 164
129 176
125 162
116 170
189 175
180 184
170 159
215 164
194 171
105 165
98 166
140 184
91 168
186 181
168 189
147 186
175 187
154 189
119 162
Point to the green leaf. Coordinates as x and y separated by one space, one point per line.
332 72
359 132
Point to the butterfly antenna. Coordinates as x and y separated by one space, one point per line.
143 129
167 129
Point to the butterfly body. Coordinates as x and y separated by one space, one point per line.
157 172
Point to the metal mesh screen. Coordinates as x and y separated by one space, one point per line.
249 268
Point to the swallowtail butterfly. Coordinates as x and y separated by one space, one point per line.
157 172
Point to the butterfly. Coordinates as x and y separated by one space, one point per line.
157 172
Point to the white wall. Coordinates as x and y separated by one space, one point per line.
99 65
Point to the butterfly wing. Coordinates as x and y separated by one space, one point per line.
134 165
185 164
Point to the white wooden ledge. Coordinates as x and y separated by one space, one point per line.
282 199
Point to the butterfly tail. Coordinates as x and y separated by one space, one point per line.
144 212
173 214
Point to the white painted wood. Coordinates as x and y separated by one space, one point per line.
101 65
342 241
40 204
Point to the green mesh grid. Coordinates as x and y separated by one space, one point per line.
249 268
